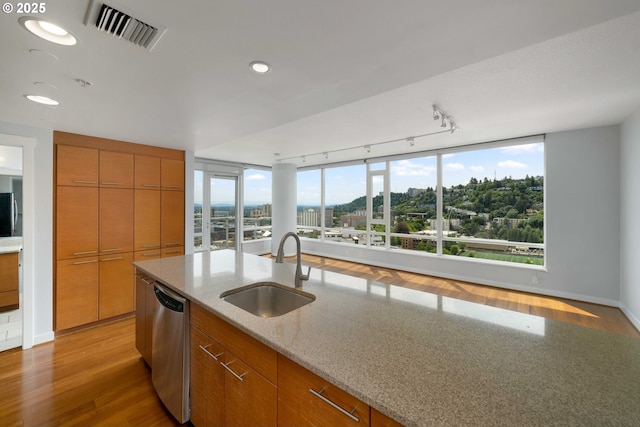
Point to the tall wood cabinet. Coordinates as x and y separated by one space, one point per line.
110 209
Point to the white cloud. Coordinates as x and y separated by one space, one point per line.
255 177
477 169
511 164
454 167
523 149
409 168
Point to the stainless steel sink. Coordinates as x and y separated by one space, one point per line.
267 299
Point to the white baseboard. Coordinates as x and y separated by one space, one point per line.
43 338
632 318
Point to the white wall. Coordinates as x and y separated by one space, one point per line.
629 218
42 316
581 210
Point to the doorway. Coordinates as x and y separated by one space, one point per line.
216 218
11 260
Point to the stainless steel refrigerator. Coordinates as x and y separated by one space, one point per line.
8 214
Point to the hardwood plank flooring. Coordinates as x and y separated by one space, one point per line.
580 313
96 377
93 377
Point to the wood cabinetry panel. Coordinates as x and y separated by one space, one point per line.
116 286
116 169
297 406
207 381
250 400
9 284
146 220
251 351
172 218
76 166
76 222
147 172
116 220
172 174
76 292
378 419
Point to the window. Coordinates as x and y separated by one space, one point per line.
309 216
257 204
482 202
198 199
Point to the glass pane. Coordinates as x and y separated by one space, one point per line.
413 184
198 196
223 213
345 193
257 204
495 195
308 200
377 194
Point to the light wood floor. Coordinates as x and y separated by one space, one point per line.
95 377
580 313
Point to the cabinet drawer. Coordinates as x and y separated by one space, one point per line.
172 251
76 292
251 351
379 419
207 381
306 399
146 255
250 400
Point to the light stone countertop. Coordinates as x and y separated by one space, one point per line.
424 359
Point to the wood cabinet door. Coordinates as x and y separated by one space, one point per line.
76 222
146 225
172 218
147 172
76 292
116 288
116 220
116 169
379 419
9 298
76 166
250 400
172 174
207 381
305 399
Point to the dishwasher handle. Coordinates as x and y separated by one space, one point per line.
169 299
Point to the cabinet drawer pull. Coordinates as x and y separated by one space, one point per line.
172 252
151 185
111 259
85 253
172 244
111 250
110 183
85 262
349 414
152 254
171 186
155 245
144 279
79 181
226 366
205 348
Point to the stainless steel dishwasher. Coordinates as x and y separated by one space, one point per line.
170 351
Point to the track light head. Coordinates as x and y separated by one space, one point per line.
436 115
444 122
411 141
368 148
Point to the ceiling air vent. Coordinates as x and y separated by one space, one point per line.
123 24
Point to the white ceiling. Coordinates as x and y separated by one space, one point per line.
345 74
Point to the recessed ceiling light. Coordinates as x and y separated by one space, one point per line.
47 30
260 67
42 99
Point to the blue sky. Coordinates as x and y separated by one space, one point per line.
347 183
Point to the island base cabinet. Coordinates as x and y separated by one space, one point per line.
250 400
207 381
305 399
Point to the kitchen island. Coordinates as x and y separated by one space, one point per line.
425 359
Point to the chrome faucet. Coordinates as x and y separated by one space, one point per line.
280 258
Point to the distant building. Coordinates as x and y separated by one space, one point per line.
353 221
413 192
